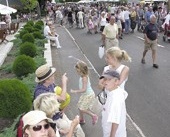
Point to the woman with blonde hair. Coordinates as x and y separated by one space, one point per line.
47 102
114 58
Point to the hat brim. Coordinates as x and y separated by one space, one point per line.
53 70
106 76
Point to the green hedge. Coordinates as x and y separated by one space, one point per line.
15 98
23 65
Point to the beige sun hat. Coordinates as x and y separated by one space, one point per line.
34 117
44 72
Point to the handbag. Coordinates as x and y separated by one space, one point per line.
98 102
101 51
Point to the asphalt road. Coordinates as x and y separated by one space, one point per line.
148 103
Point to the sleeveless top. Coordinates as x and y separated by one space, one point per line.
103 21
89 88
119 70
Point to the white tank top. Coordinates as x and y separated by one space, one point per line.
103 21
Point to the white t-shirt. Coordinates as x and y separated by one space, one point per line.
114 111
80 15
126 15
46 30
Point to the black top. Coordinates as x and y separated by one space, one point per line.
151 30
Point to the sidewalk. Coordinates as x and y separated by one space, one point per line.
5 47
63 63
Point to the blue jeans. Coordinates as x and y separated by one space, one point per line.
127 25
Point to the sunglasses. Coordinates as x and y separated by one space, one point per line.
39 127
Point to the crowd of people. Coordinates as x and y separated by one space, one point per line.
48 117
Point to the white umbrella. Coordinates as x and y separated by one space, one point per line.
6 10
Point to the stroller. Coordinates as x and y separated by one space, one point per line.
166 36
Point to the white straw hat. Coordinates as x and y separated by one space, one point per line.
44 72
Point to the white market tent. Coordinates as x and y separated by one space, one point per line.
6 10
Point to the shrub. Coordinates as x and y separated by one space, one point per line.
23 65
39 60
40 42
29 81
30 22
28 49
29 28
37 35
15 98
38 26
28 38
22 32
40 22
6 67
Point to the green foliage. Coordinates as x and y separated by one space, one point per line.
40 42
29 29
7 68
15 98
23 32
29 4
30 82
35 29
38 26
23 65
30 22
28 49
40 22
11 131
39 60
28 38
37 35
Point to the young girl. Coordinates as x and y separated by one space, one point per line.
114 58
90 25
86 100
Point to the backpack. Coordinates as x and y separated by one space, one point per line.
19 126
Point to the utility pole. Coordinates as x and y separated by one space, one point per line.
7 3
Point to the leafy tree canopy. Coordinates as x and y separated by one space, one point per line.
29 4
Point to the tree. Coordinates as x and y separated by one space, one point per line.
29 4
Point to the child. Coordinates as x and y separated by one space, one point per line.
90 25
114 109
86 100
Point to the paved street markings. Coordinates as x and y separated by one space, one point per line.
143 40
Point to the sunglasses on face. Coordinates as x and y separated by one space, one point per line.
39 127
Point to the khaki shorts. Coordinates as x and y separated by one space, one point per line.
111 43
151 45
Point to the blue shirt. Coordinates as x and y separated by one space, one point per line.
40 89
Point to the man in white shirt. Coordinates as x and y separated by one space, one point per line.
110 34
114 110
80 15
49 35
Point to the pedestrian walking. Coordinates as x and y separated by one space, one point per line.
110 34
114 58
151 40
85 102
114 110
